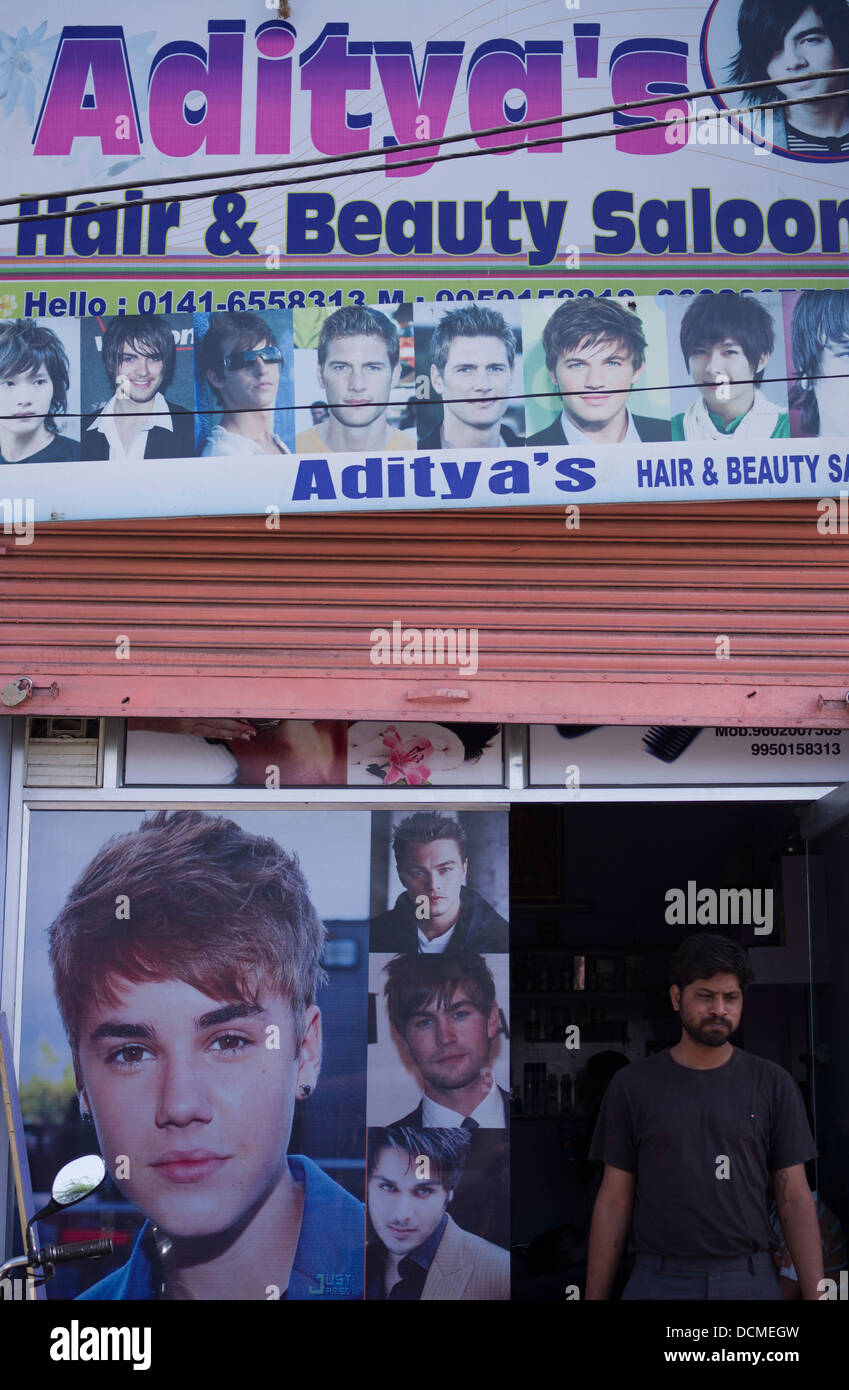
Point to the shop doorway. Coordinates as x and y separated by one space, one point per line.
591 938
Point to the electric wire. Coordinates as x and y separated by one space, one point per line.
509 127
440 400
681 119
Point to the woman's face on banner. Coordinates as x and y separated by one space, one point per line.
193 1099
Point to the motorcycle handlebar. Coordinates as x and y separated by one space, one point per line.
78 1250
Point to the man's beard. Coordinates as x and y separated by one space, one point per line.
705 1033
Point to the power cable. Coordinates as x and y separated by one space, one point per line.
510 127
429 160
449 400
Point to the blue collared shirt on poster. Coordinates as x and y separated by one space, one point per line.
328 1261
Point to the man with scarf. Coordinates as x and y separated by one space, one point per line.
726 341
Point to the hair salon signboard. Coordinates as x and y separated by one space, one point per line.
394 331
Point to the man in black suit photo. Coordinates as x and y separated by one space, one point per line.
595 351
139 357
473 353
444 1010
437 910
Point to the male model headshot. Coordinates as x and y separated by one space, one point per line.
185 964
473 353
358 368
240 358
34 382
726 341
418 1252
138 356
595 352
819 334
437 910
445 1012
691 1140
789 38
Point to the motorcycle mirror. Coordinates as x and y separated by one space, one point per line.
77 1180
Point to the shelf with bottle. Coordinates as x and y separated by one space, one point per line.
580 970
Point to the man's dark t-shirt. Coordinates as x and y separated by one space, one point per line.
672 1125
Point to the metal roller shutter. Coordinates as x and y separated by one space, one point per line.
616 622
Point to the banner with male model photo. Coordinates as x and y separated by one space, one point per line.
582 399
195 1007
439 1057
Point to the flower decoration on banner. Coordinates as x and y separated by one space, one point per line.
8 306
408 760
25 61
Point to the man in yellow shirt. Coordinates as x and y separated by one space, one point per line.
358 368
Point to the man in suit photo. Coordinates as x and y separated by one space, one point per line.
437 909
418 1252
473 353
595 351
139 356
444 1010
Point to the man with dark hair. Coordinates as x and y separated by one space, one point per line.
241 360
186 961
820 337
691 1139
139 357
726 341
445 1011
419 1252
787 38
358 369
594 352
34 381
473 352
436 910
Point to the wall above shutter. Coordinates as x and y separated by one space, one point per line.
614 623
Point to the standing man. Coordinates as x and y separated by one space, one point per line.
419 1252
358 369
139 357
436 910
595 351
726 341
473 352
445 1011
691 1139
241 359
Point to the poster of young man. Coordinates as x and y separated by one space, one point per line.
416 1248
244 390
595 372
176 1007
469 359
752 41
138 391
39 391
816 326
731 346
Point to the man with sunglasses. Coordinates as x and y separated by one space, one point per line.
240 358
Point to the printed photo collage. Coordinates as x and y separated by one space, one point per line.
255 1030
426 376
